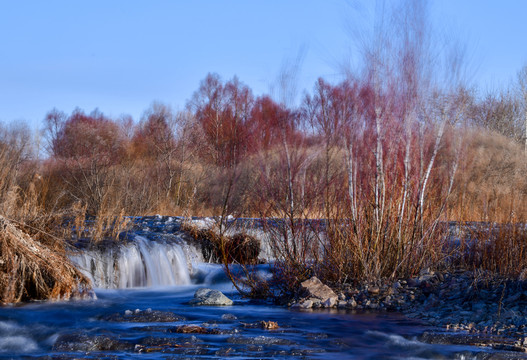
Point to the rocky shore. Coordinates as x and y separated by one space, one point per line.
461 307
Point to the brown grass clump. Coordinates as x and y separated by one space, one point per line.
239 248
243 249
31 271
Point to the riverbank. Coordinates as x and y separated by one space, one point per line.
463 307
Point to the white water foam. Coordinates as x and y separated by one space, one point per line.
140 263
14 338
397 340
17 343
412 345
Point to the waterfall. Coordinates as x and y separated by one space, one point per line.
158 254
139 263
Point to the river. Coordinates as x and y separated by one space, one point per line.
141 312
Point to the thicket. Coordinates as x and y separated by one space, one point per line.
385 159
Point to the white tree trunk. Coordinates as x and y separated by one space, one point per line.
439 136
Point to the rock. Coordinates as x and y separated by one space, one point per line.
374 290
268 325
193 329
342 304
229 317
206 296
314 288
259 340
84 342
479 306
412 282
513 299
329 302
308 304
426 271
145 316
425 279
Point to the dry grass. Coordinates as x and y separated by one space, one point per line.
108 224
32 271
236 249
492 182
494 249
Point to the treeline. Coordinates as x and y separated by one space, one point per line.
230 152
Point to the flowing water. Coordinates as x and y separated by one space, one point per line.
142 290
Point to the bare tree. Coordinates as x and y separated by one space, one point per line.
500 111
522 80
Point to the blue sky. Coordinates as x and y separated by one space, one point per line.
119 56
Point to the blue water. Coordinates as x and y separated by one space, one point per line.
42 330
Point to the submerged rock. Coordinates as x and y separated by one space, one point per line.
229 317
259 340
193 329
265 325
84 342
147 315
206 296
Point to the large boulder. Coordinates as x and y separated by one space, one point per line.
206 296
314 289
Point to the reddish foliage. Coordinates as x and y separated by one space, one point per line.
223 112
154 136
83 137
269 123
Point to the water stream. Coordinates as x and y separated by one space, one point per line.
142 290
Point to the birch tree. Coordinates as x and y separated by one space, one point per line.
522 80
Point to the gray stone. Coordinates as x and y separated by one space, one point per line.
374 290
329 302
143 316
308 304
341 304
229 317
352 303
206 296
479 306
425 278
314 288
